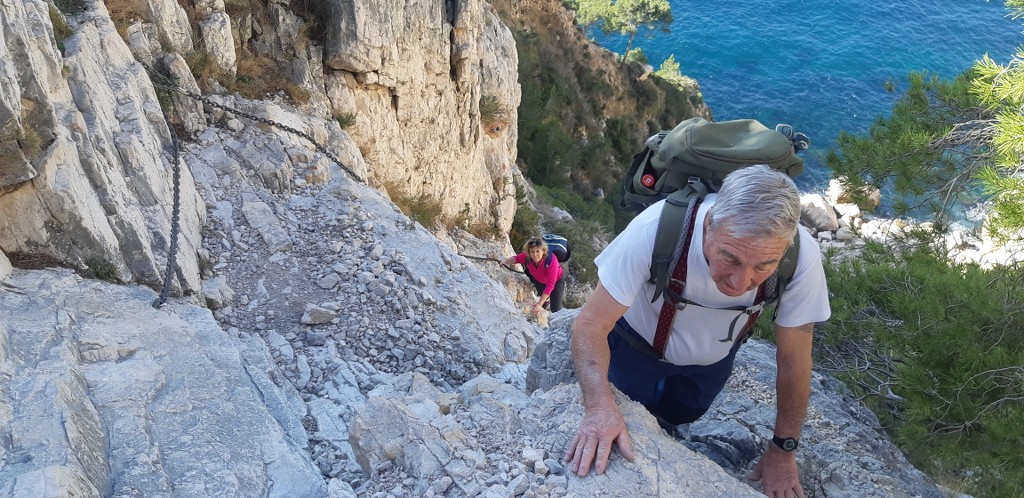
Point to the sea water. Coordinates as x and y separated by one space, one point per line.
821 66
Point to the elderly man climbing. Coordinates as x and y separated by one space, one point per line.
676 359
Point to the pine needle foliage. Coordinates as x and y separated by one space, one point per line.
926 153
936 349
949 143
61 30
1000 88
623 16
71 6
669 71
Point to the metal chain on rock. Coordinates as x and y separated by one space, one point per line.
175 210
281 126
172 251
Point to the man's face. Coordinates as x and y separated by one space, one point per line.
740 265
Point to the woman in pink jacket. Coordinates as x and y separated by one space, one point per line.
544 271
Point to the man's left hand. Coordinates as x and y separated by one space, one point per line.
778 474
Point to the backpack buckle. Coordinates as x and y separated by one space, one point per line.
677 300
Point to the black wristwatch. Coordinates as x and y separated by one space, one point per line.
787 444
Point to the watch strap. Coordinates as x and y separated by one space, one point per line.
787 444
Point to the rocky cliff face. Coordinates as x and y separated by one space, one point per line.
85 160
86 178
333 346
415 75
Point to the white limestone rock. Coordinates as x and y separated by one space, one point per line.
218 41
161 405
396 66
217 292
103 189
817 213
171 23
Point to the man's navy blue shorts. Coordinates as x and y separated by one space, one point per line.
677 394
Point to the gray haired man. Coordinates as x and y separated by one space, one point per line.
739 237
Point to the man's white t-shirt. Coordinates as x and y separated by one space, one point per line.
698 332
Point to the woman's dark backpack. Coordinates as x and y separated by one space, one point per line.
558 246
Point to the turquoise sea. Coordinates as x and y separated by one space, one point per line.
821 66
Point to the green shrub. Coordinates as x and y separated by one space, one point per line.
10 152
549 153
314 15
123 13
484 230
525 224
935 349
18 145
237 9
32 261
592 83
592 221
256 76
61 30
581 209
636 55
580 269
259 76
346 120
202 66
101 269
620 135
491 109
71 7
423 209
648 96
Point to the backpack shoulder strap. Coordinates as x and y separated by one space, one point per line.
547 260
784 275
670 230
668 309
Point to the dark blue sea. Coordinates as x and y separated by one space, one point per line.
821 66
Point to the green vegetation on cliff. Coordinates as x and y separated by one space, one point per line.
584 113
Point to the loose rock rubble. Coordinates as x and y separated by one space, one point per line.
308 269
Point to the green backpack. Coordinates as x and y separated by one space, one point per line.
690 161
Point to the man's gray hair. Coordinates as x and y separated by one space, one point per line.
756 202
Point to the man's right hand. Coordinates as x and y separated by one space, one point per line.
600 428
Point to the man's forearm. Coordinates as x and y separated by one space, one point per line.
590 357
793 379
590 354
793 389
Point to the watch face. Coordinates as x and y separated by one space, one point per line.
787 444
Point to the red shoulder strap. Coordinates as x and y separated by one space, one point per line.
676 283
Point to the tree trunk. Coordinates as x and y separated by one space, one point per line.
628 45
